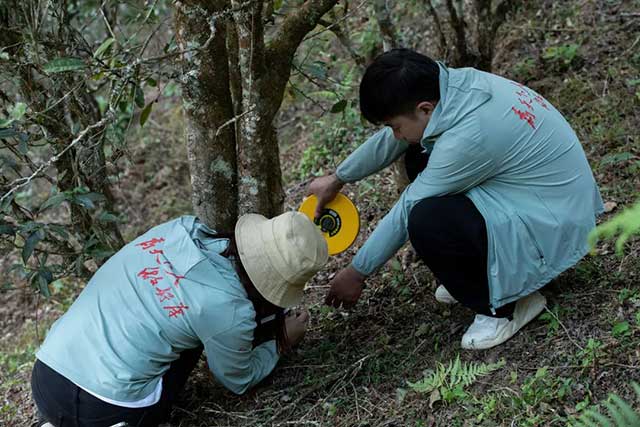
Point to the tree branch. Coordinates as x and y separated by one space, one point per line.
500 15
458 24
444 46
21 182
344 40
389 37
292 31
251 55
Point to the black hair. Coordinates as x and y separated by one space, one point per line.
274 329
395 82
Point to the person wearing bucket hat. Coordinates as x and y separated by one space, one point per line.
125 348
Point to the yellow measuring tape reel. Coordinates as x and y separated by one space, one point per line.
339 221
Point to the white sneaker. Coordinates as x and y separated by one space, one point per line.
442 295
486 332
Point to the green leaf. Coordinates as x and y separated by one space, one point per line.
277 4
103 47
107 217
7 133
9 162
22 146
339 106
4 55
582 404
41 280
100 252
60 230
620 329
5 206
18 110
88 200
7 229
151 82
139 96
144 116
30 244
61 65
29 227
317 69
325 94
615 158
53 201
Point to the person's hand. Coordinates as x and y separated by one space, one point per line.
326 189
296 325
346 288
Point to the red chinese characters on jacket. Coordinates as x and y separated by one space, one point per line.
528 101
154 274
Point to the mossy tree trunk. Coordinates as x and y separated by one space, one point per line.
208 106
231 139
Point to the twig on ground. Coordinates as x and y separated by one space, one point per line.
565 328
355 394
414 351
352 369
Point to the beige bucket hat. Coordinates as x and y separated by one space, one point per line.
280 254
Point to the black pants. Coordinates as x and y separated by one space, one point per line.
449 234
64 404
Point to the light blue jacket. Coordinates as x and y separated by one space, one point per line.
513 154
167 291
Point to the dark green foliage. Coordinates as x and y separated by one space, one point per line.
73 86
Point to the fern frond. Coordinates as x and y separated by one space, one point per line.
621 414
586 422
598 418
455 374
431 381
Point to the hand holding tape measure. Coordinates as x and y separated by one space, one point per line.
339 221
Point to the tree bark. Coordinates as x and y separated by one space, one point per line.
263 88
389 35
231 139
488 22
210 135
444 46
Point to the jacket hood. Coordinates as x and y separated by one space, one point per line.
461 92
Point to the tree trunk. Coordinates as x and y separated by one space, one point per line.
210 135
389 35
260 185
248 98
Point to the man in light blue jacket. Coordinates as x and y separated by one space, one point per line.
502 196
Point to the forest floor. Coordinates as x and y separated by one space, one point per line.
353 367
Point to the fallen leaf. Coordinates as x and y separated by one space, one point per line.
609 206
435 396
